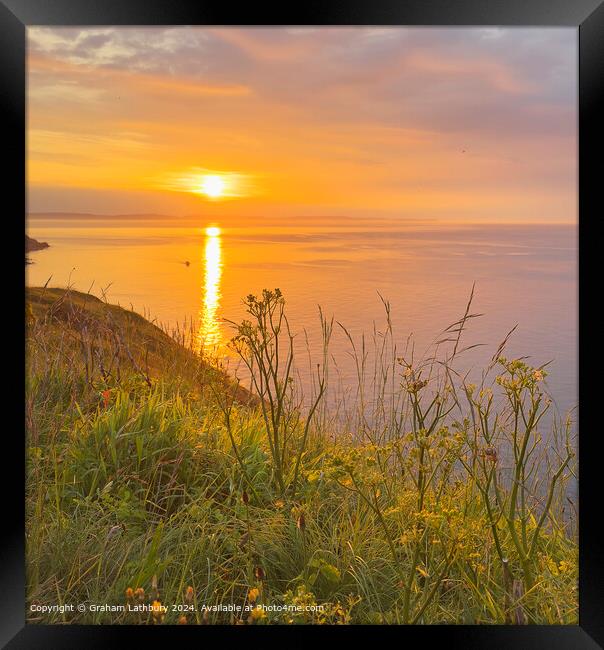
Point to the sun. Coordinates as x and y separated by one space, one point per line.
212 186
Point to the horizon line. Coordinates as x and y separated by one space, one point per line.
402 220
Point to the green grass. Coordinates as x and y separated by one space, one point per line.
149 469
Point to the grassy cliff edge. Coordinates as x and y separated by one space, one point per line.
152 491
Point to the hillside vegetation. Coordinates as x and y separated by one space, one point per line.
156 480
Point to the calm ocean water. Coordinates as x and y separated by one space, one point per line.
524 276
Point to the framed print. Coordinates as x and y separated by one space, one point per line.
301 339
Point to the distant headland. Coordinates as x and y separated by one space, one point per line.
31 245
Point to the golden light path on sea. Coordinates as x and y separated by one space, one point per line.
209 336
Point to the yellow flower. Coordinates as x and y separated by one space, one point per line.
564 566
157 610
257 614
253 594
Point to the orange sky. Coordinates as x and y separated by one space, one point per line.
452 124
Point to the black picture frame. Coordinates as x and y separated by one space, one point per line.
588 17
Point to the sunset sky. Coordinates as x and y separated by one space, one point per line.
449 124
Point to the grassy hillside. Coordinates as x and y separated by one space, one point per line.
159 491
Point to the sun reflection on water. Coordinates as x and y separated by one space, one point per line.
209 336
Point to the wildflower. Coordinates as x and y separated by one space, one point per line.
257 614
189 593
129 593
423 572
106 395
158 611
253 594
552 566
279 503
139 593
538 375
564 566
182 620
416 386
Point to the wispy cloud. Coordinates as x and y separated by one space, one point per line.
336 118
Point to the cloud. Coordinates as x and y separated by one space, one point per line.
417 77
331 116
